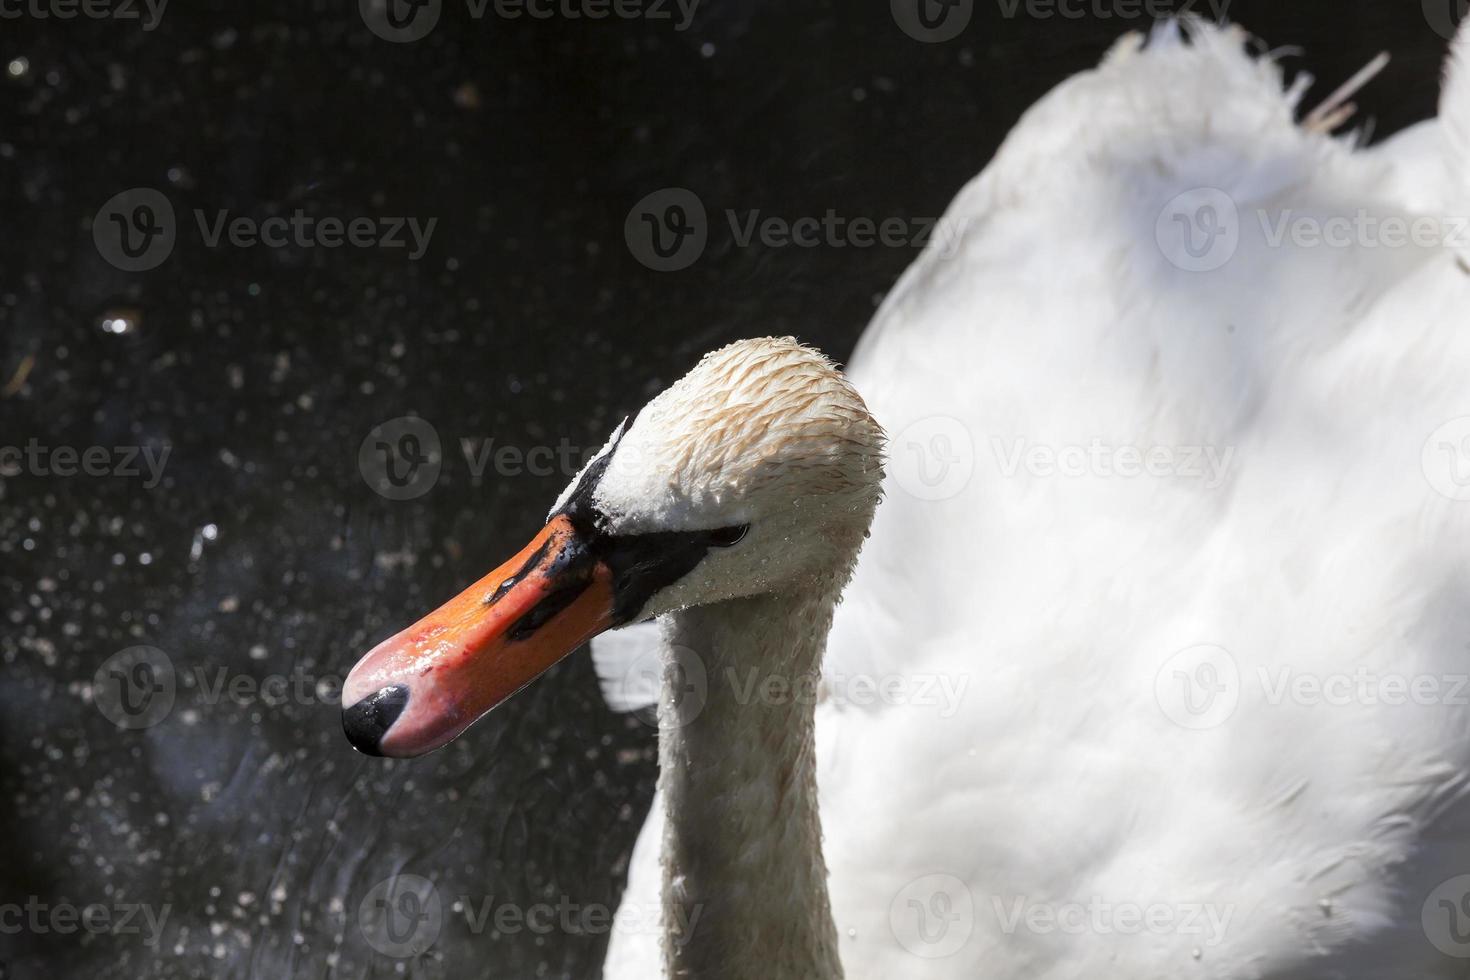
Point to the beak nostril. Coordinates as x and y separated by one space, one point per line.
367 721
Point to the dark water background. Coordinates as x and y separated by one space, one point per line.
527 321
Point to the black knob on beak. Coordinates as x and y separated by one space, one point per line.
367 721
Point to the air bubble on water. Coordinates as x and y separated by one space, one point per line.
18 67
209 532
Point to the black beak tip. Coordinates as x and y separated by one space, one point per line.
367 721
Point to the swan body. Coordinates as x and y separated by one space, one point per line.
1211 717
1157 660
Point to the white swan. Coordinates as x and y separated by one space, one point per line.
734 504
1212 720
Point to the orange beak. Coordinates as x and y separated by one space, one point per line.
421 688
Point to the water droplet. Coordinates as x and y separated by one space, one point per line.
120 321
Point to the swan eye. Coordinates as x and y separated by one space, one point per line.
726 536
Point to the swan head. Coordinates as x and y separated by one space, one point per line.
757 472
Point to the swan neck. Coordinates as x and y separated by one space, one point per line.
745 884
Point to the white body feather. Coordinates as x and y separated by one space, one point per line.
1290 836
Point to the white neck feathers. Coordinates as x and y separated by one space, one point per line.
742 855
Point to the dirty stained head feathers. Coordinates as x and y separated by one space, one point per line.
763 438
754 428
